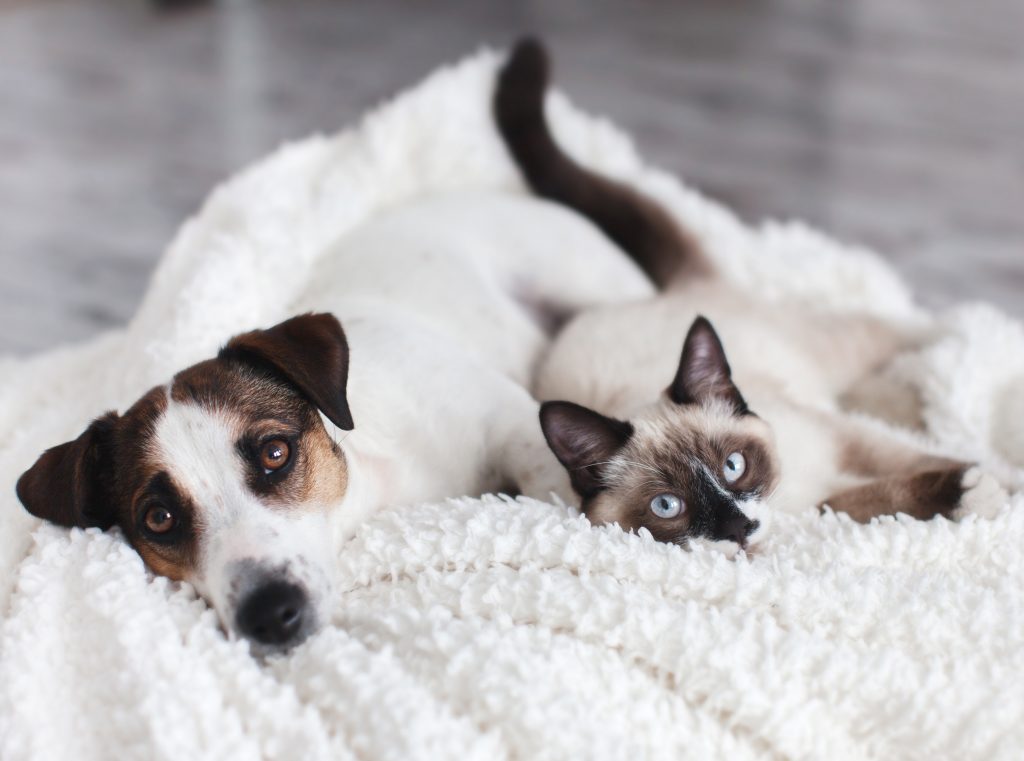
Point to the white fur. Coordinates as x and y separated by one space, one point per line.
982 496
488 630
761 511
436 299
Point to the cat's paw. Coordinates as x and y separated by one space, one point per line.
982 495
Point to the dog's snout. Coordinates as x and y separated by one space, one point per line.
275 614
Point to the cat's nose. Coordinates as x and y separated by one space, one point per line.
736 528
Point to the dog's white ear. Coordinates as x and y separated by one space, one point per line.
583 441
704 373
309 352
71 484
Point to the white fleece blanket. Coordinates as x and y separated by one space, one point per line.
488 629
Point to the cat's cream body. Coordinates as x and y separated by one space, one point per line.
792 364
707 444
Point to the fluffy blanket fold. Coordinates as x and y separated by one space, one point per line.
493 629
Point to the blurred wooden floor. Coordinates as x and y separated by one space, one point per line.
898 124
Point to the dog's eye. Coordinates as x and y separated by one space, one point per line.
667 506
159 519
274 455
734 468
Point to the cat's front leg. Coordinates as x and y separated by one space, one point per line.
952 492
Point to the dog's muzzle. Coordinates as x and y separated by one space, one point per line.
276 614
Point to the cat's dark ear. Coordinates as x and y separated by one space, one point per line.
309 352
583 441
704 374
70 484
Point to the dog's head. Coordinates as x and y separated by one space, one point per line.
226 477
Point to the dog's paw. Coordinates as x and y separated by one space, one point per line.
982 495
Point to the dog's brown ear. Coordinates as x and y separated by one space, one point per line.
308 351
70 484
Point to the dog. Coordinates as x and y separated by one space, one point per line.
402 379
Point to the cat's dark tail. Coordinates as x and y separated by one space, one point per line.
636 223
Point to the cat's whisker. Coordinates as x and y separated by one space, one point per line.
642 466
593 465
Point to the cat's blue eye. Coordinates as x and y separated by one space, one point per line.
735 466
666 506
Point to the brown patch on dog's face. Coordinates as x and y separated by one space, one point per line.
174 552
260 410
143 485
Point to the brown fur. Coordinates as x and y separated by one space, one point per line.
922 495
901 478
71 484
175 560
309 351
641 227
867 452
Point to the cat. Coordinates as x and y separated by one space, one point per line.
710 456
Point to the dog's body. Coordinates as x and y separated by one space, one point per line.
447 306
245 472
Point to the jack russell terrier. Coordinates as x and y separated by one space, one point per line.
244 473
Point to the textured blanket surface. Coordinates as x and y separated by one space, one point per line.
493 629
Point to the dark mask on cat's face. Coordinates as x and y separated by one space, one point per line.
696 465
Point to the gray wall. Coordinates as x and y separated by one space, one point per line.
898 124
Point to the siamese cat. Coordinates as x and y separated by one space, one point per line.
728 440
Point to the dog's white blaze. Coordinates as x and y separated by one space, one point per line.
198 449
236 530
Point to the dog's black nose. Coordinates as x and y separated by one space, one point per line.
274 614
737 527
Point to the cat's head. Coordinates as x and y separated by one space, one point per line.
697 465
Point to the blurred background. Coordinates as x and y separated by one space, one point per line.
895 123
